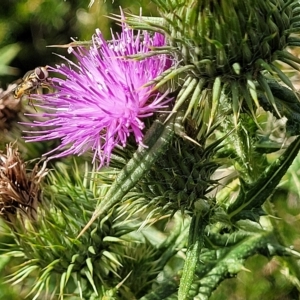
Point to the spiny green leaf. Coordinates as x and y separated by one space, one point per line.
89 264
216 265
245 92
216 92
288 56
111 257
69 272
91 280
268 93
254 195
282 76
62 284
168 75
22 273
156 140
38 292
193 103
236 104
185 92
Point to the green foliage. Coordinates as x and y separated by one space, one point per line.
210 207
31 26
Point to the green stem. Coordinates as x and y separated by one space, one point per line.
196 234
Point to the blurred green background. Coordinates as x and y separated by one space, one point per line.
27 27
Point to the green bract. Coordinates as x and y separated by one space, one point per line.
229 48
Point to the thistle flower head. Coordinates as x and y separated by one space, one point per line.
107 259
226 49
102 99
228 37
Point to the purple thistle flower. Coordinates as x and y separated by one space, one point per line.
102 99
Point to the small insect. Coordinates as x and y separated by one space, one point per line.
39 77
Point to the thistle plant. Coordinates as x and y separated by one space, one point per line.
172 126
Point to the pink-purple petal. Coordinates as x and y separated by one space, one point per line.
102 99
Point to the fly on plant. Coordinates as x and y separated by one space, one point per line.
31 81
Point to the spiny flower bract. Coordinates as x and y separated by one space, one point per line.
102 99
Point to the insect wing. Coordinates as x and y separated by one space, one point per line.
23 88
29 75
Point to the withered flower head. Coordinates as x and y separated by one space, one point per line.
19 188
